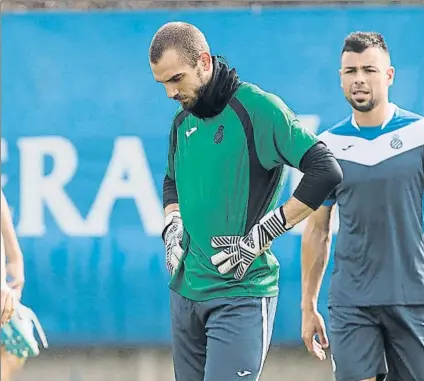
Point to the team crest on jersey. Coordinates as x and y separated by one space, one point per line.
396 143
219 135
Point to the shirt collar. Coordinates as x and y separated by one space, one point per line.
389 116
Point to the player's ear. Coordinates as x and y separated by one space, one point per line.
390 75
206 61
340 76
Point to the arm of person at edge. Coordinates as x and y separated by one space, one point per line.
7 297
280 140
15 261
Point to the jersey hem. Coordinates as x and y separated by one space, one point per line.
227 294
403 303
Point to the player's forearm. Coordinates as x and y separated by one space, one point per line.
315 252
316 241
11 243
315 255
295 211
322 174
170 195
172 208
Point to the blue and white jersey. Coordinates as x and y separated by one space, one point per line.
379 253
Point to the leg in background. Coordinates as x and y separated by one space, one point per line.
404 333
357 344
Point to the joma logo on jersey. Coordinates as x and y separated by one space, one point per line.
219 135
396 143
191 131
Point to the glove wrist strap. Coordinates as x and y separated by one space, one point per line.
169 218
275 223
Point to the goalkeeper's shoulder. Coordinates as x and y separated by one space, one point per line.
256 100
179 117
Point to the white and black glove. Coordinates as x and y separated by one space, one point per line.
242 251
172 236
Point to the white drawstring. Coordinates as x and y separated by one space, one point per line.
26 312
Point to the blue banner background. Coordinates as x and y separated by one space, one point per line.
85 77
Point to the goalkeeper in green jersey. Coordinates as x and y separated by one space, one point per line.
230 144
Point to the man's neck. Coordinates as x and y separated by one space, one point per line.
219 89
373 118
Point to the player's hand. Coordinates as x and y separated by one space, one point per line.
240 252
312 326
15 269
173 236
7 304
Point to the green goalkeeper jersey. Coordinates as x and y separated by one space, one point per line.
229 172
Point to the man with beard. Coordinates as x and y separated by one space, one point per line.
230 143
376 297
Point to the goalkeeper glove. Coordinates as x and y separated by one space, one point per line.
242 251
173 235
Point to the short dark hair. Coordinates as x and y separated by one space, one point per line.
358 42
185 38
